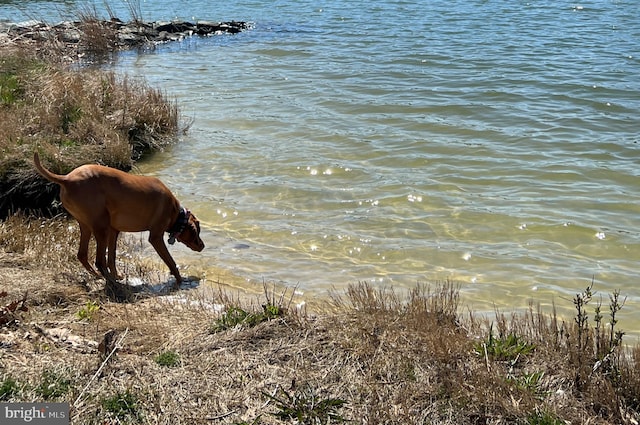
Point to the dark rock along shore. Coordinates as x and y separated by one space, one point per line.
124 34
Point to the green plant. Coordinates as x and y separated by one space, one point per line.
69 115
306 408
122 405
231 318
271 311
68 143
529 381
502 348
615 305
8 388
168 359
89 311
236 316
9 89
580 302
544 418
595 348
53 385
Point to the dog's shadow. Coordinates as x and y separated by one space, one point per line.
134 289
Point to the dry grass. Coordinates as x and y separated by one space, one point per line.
72 117
371 356
90 37
98 38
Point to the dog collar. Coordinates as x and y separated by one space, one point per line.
179 225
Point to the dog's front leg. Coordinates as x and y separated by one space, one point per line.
158 244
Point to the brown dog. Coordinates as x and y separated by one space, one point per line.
106 201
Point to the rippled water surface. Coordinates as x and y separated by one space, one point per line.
492 143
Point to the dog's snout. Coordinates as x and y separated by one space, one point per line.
196 245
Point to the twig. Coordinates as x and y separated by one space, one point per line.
104 363
270 398
224 415
513 363
486 357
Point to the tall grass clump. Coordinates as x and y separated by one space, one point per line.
421 360
72 117
583 357
99 37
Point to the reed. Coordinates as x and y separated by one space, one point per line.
98 36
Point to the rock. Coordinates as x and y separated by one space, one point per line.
5 26
136 34
206 28
27 24
174 27
232 29
126 35
129 37
70 35
165 36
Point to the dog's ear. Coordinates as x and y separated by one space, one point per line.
193 229
196 223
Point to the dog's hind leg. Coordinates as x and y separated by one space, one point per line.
114 289
111 252
102 235
83 250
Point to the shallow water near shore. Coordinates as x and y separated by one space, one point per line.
492 144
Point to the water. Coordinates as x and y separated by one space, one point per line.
491 143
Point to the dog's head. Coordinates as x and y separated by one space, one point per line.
190 235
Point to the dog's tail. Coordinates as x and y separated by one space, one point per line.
56 178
